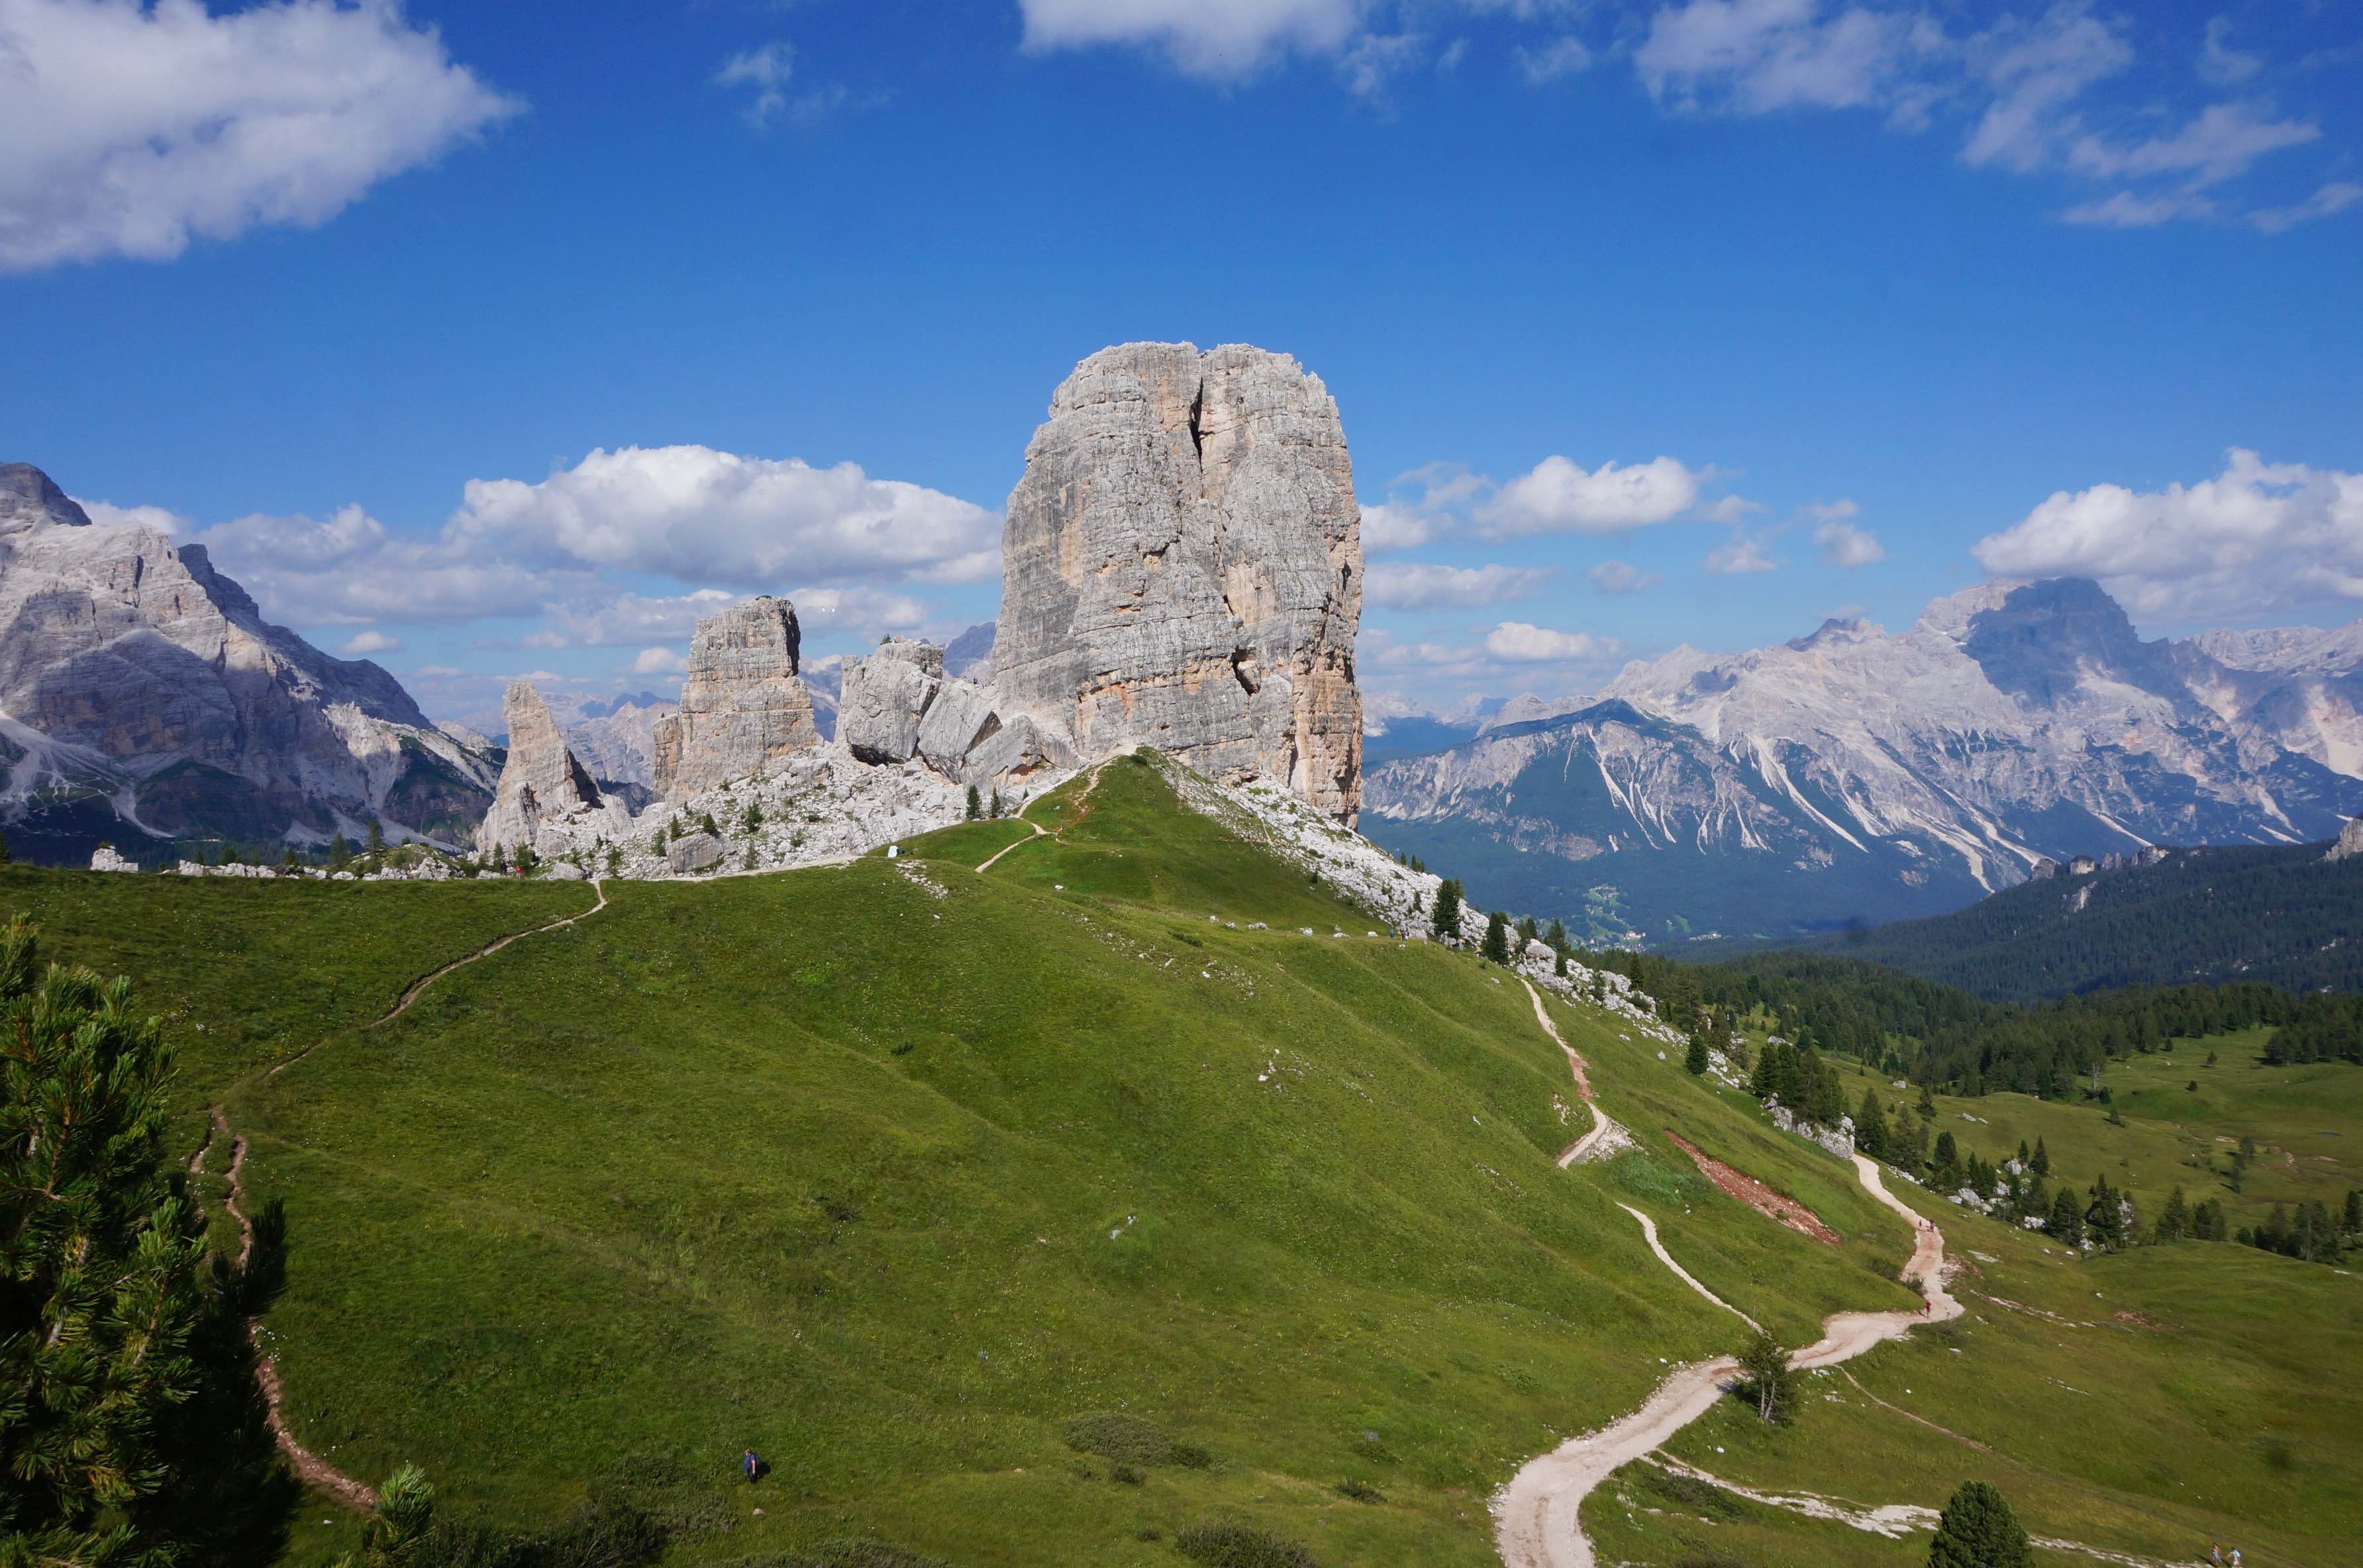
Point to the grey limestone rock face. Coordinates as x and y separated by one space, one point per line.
693 852
1183 568
132 671
2350 841
542 785
962 715
885 696
742 705
30 499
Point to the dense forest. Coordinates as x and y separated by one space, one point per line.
2280 915
1946 1038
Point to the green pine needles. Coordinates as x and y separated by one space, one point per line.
1978 1530
102 1253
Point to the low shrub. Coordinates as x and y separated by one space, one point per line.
1129 1439
1697 1496
1361 1491
1222 1545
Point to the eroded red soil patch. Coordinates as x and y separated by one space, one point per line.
1755 1194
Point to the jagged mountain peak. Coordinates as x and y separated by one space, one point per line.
30 499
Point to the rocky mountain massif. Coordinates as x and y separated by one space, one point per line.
1182 568
144 699
1856 776
1183 572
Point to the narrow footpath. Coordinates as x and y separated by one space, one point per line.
314 1470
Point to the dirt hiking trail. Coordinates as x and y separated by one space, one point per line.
314 1470
1606 1136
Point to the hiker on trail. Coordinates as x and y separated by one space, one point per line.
752 1464
2236 1557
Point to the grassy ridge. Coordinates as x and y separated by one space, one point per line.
892 1170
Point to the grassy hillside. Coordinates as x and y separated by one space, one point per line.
893 1171
2281 915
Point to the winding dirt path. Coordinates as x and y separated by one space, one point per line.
1607 1135
314 1470
1650 1234
1537 1521
1082 810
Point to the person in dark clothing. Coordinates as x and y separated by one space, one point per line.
752 1464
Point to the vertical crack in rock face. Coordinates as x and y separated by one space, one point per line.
542 783
743 705
1183 569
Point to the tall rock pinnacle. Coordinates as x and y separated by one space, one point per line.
540 782
1183 568
742 704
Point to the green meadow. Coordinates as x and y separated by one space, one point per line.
893 1171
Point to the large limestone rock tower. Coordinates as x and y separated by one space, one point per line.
1183 568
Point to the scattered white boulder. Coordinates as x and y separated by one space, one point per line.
106 858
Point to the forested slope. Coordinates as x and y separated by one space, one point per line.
2281 915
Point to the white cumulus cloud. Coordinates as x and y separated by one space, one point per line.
2259 536
347 568
373 641
1406 585
1557 496
1388 525
1217 39
691 513
131 129
108 514
1844 545
1622 577
1524 643
1736 555
656 662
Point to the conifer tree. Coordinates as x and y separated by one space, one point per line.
1557 936
2041 1163
340 853
705 825
975 803
753 821
1870 1125
997 803
1496 949
1768 1378
2067 1224
1598 989
103 1296
1978 1530
1448 909
1696 1060
2174 1219
1558 962
376 836
1927 1106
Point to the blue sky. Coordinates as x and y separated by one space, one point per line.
501 339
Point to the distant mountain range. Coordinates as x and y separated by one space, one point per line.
1856 776
2288 915
144 699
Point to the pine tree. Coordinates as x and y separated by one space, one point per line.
1558 962
705 825
2174 1219
1448 909
3 849
2041 1163
340 854
2024 1159
1978 1530
1496 949
1870 1125
103 1296
1927 1106
376 836
1598 989
996 804
1557 937
2067 1225
975 803
1768 1378
1696 1061
753 821
616 860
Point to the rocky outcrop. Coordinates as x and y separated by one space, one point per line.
884 697
742 706
142 694
106 858
899 705
2350 841
545 798
1183 568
